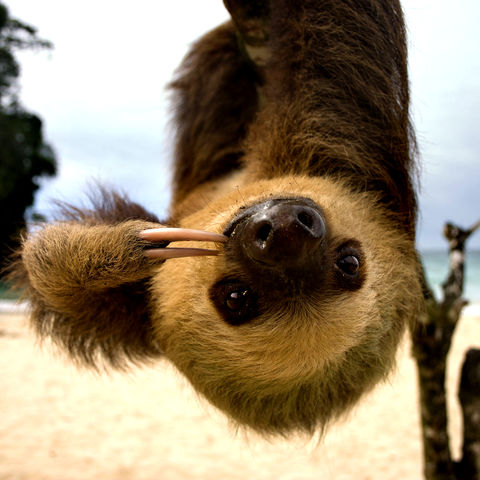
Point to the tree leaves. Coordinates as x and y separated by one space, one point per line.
24 156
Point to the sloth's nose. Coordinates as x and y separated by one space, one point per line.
284 234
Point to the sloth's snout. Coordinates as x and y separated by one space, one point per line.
283 234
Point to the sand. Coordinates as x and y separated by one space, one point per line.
58 422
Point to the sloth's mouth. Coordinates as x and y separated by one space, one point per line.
246 212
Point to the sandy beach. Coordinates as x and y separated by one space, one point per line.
62 423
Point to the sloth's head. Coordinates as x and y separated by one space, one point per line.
301 312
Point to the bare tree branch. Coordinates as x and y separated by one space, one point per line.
432 337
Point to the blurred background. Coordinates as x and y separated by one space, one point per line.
101 94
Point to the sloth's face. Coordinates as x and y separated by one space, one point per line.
302 310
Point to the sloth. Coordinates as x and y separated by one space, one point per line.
286 273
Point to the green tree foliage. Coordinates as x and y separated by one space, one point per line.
24 156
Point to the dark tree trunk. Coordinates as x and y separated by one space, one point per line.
469 394
431 338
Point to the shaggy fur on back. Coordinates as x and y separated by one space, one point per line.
337 102
340 79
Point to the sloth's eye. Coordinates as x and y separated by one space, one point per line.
349 265
234 300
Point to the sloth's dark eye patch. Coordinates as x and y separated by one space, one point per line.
349 265
234 300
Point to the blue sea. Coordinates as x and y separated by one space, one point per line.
436 266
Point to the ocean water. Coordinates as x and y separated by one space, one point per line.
436 266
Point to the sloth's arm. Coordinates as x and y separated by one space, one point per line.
67 259
87 285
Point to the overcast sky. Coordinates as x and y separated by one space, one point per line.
101 93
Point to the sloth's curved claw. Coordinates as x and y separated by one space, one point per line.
180 234
161 237
165 253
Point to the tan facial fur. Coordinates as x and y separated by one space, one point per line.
293 354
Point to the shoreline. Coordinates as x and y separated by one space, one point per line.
13 306
472 309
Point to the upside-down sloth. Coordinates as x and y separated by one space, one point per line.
293 190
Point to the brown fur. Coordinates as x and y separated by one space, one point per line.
328 122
